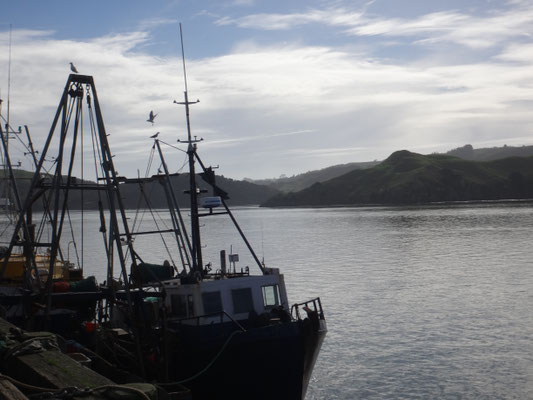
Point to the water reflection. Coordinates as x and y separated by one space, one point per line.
421 302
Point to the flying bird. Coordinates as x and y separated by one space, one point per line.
154 136
73 68
151 117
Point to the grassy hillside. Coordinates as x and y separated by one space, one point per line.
467 152
410 178
240 192
301 181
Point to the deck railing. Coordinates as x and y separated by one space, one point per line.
313 305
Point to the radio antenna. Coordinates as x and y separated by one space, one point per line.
9 78
196 250
183 60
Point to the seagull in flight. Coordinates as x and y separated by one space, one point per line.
151 117
73 68
154 136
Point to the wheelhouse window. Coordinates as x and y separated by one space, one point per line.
181 305
271 297
212 302
242 300
178 305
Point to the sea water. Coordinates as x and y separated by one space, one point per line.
421 302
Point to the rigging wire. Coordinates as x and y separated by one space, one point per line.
98 171
150 209
82 234
9 79
44 222
186 160
174 147
156 216
141 186
73 238
79 259
11 130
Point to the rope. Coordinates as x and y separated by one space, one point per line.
10 129
209 365
73 238
27 386
141 187
186 159
130 389
5 230
136 221
171 145
82 200
150 209
156 216
32 345
72 391
98 157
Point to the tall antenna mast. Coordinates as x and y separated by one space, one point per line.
6 195
196 248
183 60
9 81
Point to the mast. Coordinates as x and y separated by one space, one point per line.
8 126
7 167
196 246
69 139
9 76
183 242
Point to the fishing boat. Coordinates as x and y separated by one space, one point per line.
228 332
221 331
39 285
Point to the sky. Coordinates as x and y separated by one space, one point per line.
285 87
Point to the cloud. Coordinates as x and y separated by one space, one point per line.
243 2
292 107
475 31
262 136
517 53
152 23
333 17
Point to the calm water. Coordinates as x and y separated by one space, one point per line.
426 302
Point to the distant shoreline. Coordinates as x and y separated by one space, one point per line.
433 203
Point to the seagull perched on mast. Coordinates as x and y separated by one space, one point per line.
154 136
151 117
73 68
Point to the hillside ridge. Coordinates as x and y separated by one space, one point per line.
412 178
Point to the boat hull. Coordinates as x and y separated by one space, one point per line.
269 362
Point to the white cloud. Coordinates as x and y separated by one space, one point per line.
334 17
243 2
267 110
156 22
517 53
475 31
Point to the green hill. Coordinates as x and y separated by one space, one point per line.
410 178
467 152
240 192
301 181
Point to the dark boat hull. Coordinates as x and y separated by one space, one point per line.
270 362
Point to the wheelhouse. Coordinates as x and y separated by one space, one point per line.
225 297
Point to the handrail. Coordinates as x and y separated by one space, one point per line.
214 314
316 307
